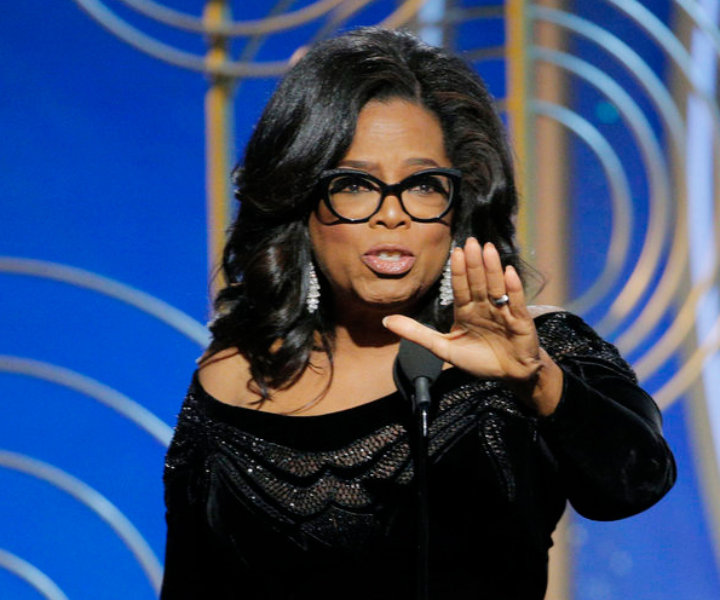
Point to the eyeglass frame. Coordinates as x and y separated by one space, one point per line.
386 189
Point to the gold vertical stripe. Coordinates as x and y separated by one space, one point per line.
540 200
517 44
560 566
550 190
699 431
550 240
218 141
404 13
218 117
701 436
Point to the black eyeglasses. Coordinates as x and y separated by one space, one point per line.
355 196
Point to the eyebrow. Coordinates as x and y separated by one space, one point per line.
372 166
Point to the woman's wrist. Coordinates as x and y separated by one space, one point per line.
543 390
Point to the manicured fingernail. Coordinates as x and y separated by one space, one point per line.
384 321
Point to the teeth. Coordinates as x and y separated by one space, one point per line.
390 255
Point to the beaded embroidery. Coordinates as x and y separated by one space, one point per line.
331 495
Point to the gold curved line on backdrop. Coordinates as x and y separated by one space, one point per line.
663 102
230 69
691 369
660 205
487 53
705 439
181 20
180 58
255 41
521 77
674 337
219 133
219 128
632 62
666 289
669 43
517 37
646 266
663 297
458 14
619 189
406 11
665 293
338 18
701 20
682 325
707 461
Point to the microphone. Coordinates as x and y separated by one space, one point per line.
415 370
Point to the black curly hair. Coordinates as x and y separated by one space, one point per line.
306 128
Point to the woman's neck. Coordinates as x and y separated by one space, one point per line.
362 333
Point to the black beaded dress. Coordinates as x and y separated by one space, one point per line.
267 506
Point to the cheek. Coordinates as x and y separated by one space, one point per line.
437 242
332 245
323 214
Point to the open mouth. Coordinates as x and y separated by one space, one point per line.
385 260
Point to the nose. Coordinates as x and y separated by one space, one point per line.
391 214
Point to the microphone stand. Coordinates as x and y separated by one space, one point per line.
421 406
415 369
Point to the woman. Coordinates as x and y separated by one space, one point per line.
290 474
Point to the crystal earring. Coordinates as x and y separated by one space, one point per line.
312 300
446 291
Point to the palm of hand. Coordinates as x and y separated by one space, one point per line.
488 348
489 341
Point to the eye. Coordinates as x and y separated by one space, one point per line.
350 184
430 185
424 188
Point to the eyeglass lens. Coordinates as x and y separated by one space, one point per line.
354 196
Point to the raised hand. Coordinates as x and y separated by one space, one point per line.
493 335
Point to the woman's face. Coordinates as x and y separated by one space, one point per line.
389 262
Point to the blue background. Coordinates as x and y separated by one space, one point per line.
102 168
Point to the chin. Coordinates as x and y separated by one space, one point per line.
395 302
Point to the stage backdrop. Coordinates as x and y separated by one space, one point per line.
105 208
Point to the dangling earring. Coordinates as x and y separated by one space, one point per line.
312 300
446 291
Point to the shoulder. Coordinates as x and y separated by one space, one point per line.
225 375
567 337
537 310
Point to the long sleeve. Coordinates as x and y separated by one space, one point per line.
261 505
186 550
606 436
198 565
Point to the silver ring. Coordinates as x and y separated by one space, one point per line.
501 301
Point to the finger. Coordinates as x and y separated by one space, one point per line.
514 287
476 275
458 269
493 271
416 332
